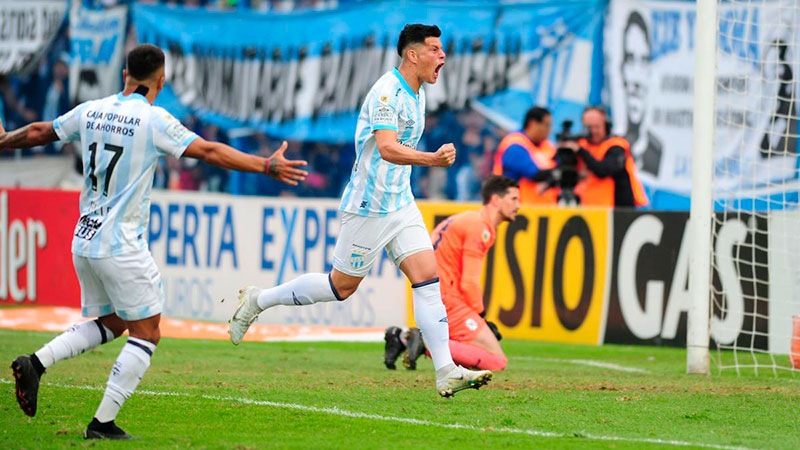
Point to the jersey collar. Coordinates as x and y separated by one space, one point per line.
404 83
133 96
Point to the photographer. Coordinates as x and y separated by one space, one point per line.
527 157
612 178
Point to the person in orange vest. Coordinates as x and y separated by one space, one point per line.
612 178
527 157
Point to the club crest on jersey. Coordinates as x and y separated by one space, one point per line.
471 324
383 99
356 259
486 235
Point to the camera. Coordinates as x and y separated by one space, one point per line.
565 175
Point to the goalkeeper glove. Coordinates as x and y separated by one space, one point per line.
495 331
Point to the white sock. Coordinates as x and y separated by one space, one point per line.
431 316
128 370
81 337
303 290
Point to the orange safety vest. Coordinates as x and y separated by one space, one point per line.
596 191
530 192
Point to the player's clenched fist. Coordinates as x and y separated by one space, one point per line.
445 156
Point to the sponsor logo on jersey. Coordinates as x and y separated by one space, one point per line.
384 115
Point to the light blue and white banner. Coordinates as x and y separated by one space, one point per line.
97 37
303 76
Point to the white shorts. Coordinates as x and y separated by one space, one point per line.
128 285
361 239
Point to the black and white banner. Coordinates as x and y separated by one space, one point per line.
26 30
97 37
649 294
650 55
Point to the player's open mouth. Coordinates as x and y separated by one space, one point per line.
436 70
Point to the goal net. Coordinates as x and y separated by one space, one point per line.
754 232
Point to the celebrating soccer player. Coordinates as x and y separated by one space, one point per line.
378 210
460 243
121 138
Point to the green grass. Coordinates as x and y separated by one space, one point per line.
539 392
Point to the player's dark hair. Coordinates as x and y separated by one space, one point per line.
535 114
635 20
415 33
496 184
144 60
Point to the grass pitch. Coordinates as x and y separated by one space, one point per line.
210 394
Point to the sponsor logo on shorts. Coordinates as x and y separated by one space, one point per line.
471 324
443 319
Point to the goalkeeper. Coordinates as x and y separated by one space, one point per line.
460 243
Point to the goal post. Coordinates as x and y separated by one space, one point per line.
744 312
697 339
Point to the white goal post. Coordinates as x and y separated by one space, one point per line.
745 224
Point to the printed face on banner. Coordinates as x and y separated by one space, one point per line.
650 54
635 68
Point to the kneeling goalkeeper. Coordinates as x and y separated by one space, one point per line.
460 243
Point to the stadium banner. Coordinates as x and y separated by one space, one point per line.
26 31
206 246
650 68
545 278
36 229
97 37
209 246
303 76
649 293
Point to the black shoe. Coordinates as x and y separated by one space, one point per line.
416 347
108 430
27 379
394 346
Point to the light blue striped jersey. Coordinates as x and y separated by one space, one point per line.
378 187
121 139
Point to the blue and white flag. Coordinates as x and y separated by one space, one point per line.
304 75
97 37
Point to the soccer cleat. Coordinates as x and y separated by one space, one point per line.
108 430
27 380
460 378
394 346
246 313
416 347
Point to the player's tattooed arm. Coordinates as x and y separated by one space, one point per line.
276 166
285 170
31 135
